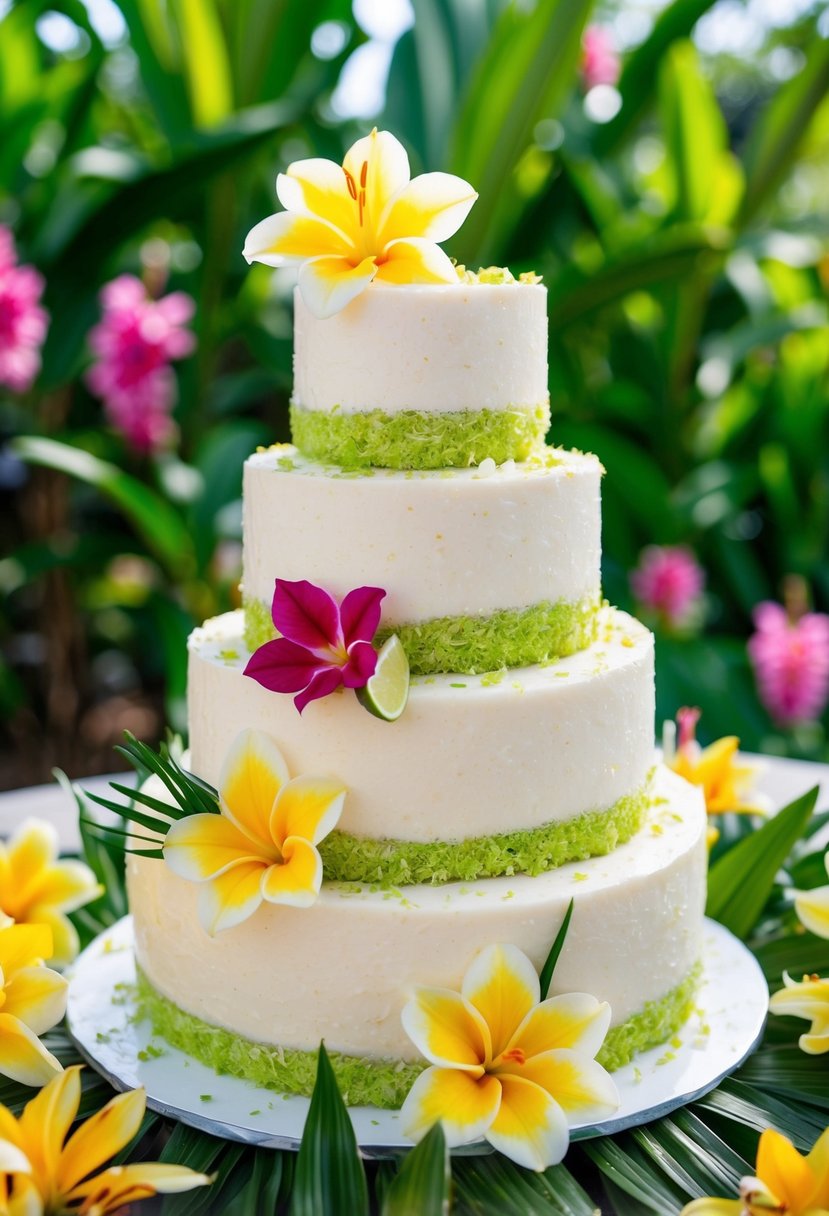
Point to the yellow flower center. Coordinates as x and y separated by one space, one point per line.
515 1056
359 195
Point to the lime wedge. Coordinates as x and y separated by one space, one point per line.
387 691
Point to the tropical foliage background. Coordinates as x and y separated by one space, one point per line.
679 221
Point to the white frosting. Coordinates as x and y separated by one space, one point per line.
459 544
342 969
439 348
467 757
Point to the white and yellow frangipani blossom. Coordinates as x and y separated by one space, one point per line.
365 219
37 888
809 1000
786 1183
263 844
505 1065
42 1173
813 908
32 1001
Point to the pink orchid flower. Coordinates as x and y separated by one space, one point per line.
323 645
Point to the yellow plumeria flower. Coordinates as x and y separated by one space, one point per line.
365 219
786 1184
44 1174
506 1065
809 1000
32 1001
726 783
813 908
37 888
263 844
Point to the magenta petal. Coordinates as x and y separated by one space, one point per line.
306 614
283 666
360 614
362 660
326 680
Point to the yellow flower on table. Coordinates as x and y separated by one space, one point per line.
809 1000
263 844
813 908
365 219
37 888
786 1184
42 1173
506 1065
727 782
32 1001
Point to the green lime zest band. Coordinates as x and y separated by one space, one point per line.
469 645
399 863
658 1021
418 439
365 1080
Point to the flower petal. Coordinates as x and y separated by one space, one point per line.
465 1105
26 1199
22 945
783 1170
65 886
574 1019
232 897
530 1127
100 1137
307 806
503 986
284 238
818 1160
809 1000
306 614
37 996
361 665
201 847
283 666
22 1055
583 1089
46 1120
415 260
378 166
298 879
13 1160
447 1029
32 847
813 909
319 187
329 283
360 614
321 684
433 206
120 1185
253 773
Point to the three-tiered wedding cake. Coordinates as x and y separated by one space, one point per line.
521 773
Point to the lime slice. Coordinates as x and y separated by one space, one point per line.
387 691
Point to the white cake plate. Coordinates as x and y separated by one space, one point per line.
102 1020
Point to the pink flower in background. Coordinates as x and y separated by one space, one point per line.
323 645
791 662
600 62
23 323
135 343
668 582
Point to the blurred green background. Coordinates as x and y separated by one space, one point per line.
679 219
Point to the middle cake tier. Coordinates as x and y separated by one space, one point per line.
507 772
483 568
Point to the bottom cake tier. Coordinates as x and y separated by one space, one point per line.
256 1000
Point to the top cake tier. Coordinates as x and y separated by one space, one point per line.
423 377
